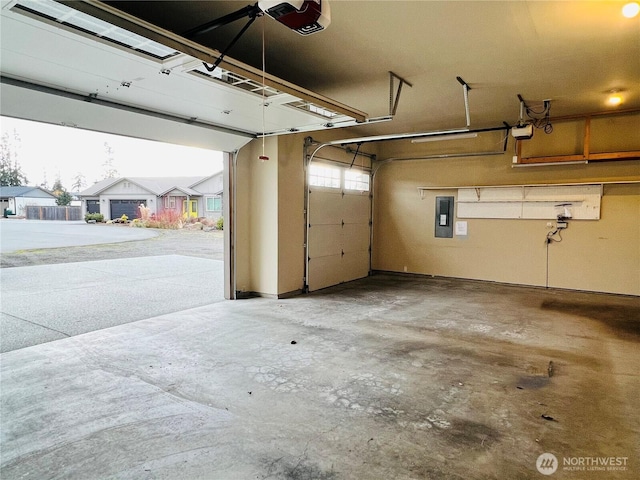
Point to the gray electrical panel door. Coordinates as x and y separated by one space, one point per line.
444 217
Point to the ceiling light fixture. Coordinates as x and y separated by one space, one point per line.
614 98
631 10
437 138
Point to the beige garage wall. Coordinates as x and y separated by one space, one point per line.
291 214
599 255
257 219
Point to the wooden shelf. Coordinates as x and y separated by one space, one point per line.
586 155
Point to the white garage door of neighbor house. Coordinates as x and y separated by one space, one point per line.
339 225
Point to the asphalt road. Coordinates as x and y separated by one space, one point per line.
70 289
18 234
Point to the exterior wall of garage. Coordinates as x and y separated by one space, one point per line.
123 191
18 205
594 255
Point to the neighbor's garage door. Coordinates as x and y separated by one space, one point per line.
93 206
126 207
339 227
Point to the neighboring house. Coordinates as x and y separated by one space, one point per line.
17 198
186 196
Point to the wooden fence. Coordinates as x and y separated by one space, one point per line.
53 213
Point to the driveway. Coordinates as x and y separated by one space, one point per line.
73 289
16 234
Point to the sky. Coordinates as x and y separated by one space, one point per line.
47 151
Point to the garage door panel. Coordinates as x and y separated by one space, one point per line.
355 265
338 236
355 238
325 271
356 208
126 207
325 207
322 240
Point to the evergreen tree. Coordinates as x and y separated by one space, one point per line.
57 188
10 170
64 198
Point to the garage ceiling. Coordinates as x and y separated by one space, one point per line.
63 66
572 53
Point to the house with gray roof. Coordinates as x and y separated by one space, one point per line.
185 196
16 199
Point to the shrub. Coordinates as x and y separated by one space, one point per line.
167 219
145 212
96 217
220 223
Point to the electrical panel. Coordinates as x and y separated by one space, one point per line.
444 217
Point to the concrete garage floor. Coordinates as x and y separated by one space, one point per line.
389 378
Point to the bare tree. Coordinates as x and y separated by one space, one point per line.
110 171
79 182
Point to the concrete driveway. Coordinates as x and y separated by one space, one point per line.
16 234
49 302
43 303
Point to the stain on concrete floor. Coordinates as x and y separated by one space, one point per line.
373 388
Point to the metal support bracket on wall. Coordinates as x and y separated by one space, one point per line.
395 99
465 93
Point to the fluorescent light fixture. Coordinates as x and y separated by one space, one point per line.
437 138
397 136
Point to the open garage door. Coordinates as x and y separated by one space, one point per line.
88 65
339 226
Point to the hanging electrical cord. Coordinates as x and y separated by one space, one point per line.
554 236
551 237
540 118
264 156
